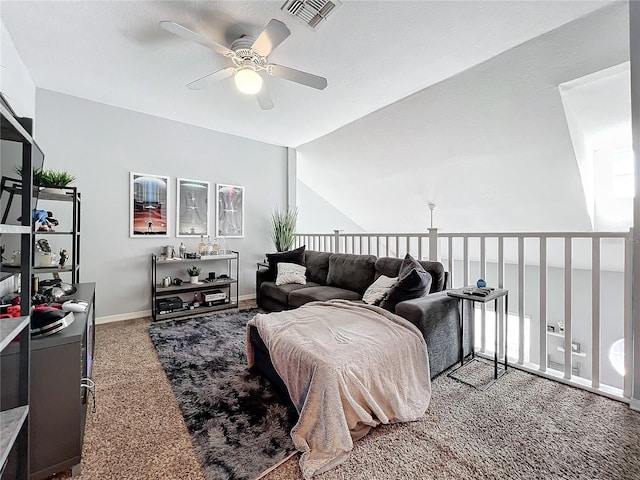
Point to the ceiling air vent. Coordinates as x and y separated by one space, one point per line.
311 12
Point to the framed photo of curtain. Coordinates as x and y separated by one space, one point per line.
230 211
148 205
192 207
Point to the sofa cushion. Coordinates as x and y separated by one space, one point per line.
351 272
291 273
292 256
281 293
317 264
299 297
391 267
413 282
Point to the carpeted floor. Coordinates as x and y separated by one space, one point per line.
523 427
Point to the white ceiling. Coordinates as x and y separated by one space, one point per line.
373 53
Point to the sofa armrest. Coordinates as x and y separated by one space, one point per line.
437 316
262 275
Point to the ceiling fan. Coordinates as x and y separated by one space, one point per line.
248 57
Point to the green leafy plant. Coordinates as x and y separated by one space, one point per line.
194 271
49 178
56 178
283 228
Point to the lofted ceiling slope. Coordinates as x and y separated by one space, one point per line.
373 53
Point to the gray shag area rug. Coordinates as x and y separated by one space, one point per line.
238 421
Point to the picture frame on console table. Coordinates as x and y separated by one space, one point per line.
148 205
230 211
192 207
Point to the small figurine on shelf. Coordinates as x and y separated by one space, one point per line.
183 250
46 220
63 257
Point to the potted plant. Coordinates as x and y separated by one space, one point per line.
49 178
193 272
55 178
283 228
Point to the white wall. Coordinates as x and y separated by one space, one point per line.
490 146
15 81
101 144
316 215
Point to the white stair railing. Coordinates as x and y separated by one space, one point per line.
512 261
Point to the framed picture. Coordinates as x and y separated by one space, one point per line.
192 208
148 205
230 212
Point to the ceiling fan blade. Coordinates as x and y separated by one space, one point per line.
210 79
187 34
273 35
264 99
293 75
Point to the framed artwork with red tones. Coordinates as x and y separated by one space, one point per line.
149 206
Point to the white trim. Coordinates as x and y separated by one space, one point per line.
123 316
147 313
634 404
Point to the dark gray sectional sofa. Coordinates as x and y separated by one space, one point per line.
346 276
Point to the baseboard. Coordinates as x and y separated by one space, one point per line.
123 316
147 313
634 404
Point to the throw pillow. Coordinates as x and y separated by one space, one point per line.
378 290
292 256
413 282
291 273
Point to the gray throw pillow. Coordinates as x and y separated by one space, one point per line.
413 282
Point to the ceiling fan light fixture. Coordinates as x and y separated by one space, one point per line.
248 81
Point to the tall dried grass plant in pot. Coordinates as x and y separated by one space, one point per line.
283 228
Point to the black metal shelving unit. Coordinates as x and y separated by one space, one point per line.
229 284
14 418
13 187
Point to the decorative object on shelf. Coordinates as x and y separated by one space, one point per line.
202 246
560 326
166 281
16 258
46 220
64 255
283 228
177 282
194 272
481 283
551 328
182 249
148 196
167 251
210 248
575 347
46 257
192 207
230 217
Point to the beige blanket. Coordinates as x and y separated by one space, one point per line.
348 367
